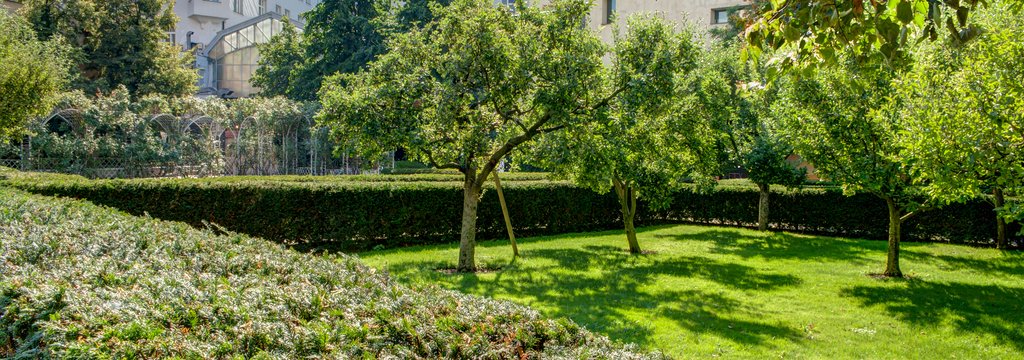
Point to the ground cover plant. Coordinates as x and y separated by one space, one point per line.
84 281
712 291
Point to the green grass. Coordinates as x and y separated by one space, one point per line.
708 291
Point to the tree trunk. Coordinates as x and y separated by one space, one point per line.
997 194
762 208
467 244
892 262
627 199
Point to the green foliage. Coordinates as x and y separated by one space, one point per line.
479 77
649 139
32 73
362 212
730 93
354 215
964 112
83 281
472 86
118 43
827 210
280 64
112 135
813 32
339 37
846 121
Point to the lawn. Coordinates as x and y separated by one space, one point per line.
708 291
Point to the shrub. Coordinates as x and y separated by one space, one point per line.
84 281
363 212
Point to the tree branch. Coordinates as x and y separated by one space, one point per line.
451 165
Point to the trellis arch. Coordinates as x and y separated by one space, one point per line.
70 117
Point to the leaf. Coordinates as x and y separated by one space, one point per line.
905 12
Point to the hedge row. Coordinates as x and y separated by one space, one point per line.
356 215
86 282
360 215
828 211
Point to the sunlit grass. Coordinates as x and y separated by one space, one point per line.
707 291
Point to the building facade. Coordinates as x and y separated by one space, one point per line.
224 33
700 13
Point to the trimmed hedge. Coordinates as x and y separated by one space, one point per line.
354 215
828 211
87 282
362 214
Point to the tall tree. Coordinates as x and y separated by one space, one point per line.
965 119
729 92
473 85
118 42
649 139
846 121
32 73
339 37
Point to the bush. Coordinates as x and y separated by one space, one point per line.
83 281
363 212
826 210
354 215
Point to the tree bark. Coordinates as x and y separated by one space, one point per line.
467 245
999 198
627 199
762 207
892 261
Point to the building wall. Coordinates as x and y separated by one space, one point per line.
205 18
696 12
10 5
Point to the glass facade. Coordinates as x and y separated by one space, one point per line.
234 56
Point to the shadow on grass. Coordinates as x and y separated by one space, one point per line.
1011 263
980 309
596 286
781 245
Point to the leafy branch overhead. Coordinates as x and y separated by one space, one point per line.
813 32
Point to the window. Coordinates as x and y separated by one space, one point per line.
288 14
277 9
236 5
720 16
261 7
172 37
609 11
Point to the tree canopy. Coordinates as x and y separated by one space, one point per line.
964 117
477 83
813 32
280 64
32 73
118 42
846 121
650 138
339 37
